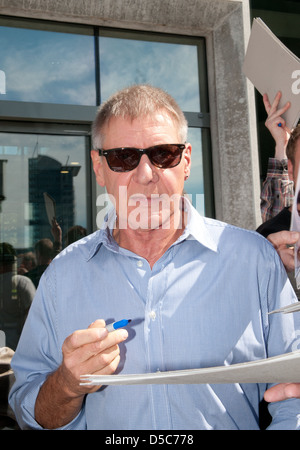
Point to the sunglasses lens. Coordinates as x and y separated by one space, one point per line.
127 158
123 160
165 156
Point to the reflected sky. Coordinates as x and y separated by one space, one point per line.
47 67
54 67
172 67
17 149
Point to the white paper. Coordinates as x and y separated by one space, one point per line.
293 307
272 67
278 369
50 207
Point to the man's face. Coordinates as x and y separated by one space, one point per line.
137 193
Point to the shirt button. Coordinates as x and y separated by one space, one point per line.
152 315
140 263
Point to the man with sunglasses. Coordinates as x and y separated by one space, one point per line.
197 291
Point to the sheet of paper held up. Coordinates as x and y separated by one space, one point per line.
272 67
50 207
278 369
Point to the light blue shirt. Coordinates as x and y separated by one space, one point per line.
204 303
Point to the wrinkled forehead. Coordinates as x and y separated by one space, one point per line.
160 123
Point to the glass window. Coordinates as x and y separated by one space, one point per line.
32 165
172 67
46 66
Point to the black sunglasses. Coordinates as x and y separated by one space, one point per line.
125 159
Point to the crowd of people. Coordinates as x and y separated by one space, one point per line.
181 278
19 280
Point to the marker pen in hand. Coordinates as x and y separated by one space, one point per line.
115 325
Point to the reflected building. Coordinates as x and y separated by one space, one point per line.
48 175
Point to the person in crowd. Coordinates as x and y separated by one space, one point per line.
278 189
44 255
16 295
74 234
197 291
276 206
28 262
282 221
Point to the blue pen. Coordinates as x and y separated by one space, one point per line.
115 325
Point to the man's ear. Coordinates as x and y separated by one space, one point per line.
290 170
187 160
98 167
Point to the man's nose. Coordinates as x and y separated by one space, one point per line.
145 171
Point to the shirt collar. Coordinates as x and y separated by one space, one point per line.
104 235
196 229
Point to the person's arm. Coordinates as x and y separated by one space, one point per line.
277 190
94 351
281 241
57 236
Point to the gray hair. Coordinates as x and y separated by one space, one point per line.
137 101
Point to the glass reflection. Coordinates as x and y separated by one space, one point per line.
47 67
173 67
34 165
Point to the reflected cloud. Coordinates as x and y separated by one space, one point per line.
173 67
48 67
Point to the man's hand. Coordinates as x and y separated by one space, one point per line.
283 242
89 351
92 351
280 133
282 391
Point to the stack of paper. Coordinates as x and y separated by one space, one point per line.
272 67
278 369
